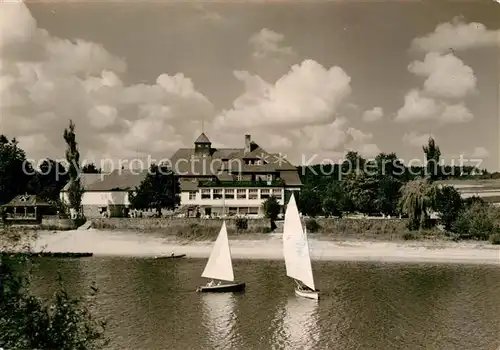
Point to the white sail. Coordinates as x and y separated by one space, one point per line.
219 265
296 247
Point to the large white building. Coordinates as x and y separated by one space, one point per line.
232 181
213 182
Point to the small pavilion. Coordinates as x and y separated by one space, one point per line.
26 208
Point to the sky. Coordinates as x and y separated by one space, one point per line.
309 80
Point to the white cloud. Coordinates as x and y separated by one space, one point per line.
268 43
418 108
373 115
359 141
457 35
447 76
480 152
47 80
368 150
307 94
415 139
208 15
458 113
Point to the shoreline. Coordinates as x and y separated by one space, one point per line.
114 243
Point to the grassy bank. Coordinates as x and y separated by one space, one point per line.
327 228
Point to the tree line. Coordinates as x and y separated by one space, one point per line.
386 186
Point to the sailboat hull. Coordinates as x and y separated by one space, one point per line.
307 294
223 288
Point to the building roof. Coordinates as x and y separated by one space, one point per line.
202 139
27 200
119 180
291 178
86 180
220 161
188 185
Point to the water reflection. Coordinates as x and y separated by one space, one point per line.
299 327
219 319
151 304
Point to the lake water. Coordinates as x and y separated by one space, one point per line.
152 304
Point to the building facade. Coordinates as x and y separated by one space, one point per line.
213 182
106 194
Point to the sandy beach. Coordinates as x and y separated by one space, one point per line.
113 243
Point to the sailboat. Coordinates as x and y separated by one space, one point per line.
220 267
296 253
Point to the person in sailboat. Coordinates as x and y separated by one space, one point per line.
211 283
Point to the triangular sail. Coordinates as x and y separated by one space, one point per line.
296 247
219 265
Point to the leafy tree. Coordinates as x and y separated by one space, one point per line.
449 204
388 195
418 197
432 155
472 200
91 168
272 209
361 190
390 174
353 162
309 201
15 171
75 190
333 201
478 221
48 181
159 189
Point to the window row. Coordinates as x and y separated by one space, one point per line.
240 193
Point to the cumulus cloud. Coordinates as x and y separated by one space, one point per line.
480 153
447 76
307 94
373 115
457 113
300 111
457 35
359 141
45 80
208 15
418 107
416 139
267 43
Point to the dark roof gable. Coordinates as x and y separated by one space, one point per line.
202 139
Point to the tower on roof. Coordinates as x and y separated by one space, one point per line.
202 145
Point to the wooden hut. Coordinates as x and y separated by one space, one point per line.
26 209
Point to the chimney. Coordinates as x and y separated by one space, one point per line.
248 139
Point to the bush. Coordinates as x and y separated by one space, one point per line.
241 224
267 230
495 238
312 225
478 221
28 322
410 236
